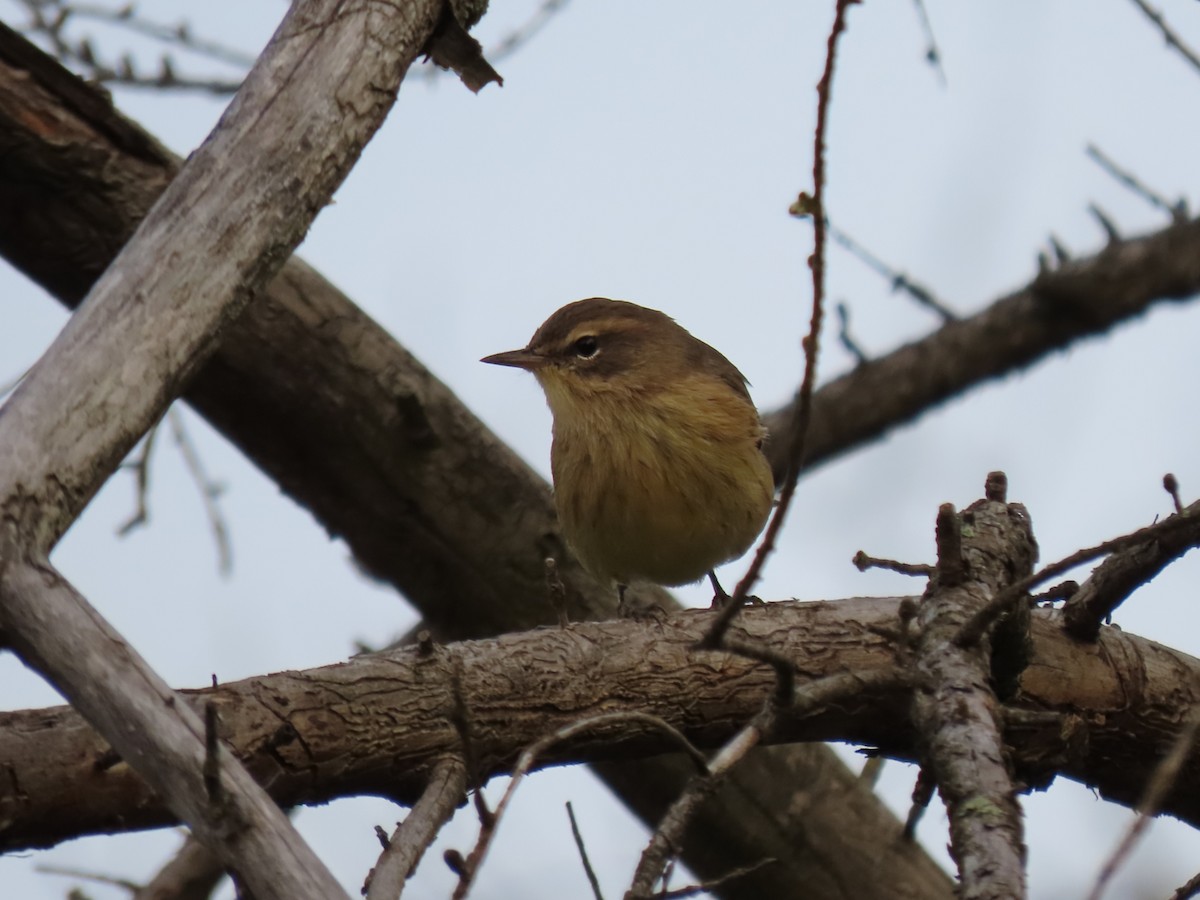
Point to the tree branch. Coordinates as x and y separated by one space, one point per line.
1080 299
1111 583
379 723
216 234
384 456
446 790
955 711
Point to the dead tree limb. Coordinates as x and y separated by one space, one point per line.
221 229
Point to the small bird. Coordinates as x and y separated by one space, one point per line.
657 459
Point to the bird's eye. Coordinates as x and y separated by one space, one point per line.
586 346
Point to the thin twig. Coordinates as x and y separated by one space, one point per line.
515 39
192 873
1115 579
898 280
1168 34
799 429
1161 781
862 562
667 839
922 793
209 490
1177 211
180 35
975 627
141 474
932 56
442 795
467 867
1171 486
844 336
51 19
587 863
712 886
68 872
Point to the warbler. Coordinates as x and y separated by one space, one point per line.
657 459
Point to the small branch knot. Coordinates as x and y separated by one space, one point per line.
996 487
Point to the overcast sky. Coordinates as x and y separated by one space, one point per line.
649 152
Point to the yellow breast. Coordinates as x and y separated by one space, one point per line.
659 485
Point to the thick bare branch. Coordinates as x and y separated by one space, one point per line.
216 234
377 724
955 711
384 456
1080 299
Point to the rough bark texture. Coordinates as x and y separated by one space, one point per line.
384 456
1080 299
1111 583
955 711
1097 713
224 226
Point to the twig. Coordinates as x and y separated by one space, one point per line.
784 666
975 627
442 795
1187 890
1168 34
932 55
515 39
862 562
179 35
1161 781
523 34
834 689
191 874
1114 580
843 314
467 867
587 864
799 426
1111 234
51 18
209 490
1177 211
712 886
898 280
67 872
667 839
1171 486
141 474
1064 590
921 795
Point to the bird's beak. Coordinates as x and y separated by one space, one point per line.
521 359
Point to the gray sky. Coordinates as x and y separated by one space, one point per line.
649 152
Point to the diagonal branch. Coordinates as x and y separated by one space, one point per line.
1111 583
216 234
378 724
443 794
1081 299
383 455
